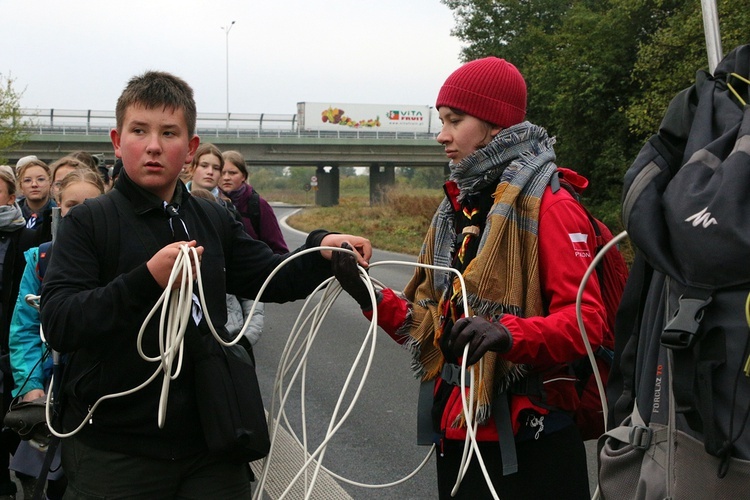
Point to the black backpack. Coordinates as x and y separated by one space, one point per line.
679 391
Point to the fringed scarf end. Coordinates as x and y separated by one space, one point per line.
489 308
514 374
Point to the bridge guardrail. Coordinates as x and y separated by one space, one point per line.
98 123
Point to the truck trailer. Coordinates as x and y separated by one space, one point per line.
331 116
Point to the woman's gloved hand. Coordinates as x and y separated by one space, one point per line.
345 269
481 335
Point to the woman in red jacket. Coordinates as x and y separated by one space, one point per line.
523 249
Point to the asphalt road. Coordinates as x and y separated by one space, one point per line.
377 442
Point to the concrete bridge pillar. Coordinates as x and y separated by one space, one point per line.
327 194
382 176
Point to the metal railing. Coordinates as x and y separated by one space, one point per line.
209 125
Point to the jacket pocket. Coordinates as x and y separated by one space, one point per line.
85 385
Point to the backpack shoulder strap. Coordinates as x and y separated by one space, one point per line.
45 252
253 210
106 233
216 212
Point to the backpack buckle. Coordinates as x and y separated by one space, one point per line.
680 332
452 374
640 437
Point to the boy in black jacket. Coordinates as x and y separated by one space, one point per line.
94 302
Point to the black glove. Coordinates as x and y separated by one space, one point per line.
345 269
481 335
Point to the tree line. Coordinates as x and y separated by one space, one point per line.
12 125
600 73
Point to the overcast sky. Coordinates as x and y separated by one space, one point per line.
79 54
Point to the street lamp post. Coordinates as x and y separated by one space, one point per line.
227 29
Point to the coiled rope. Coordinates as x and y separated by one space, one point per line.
176 312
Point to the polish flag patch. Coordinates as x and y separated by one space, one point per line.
579 242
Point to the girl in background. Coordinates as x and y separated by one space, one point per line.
205 169
205 173
34 183
261 226
234 185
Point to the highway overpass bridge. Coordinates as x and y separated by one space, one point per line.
264 140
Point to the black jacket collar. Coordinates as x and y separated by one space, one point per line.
142 200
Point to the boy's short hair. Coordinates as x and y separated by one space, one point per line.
154 89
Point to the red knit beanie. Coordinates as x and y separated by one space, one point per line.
491 89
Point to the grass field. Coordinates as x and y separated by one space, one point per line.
398 225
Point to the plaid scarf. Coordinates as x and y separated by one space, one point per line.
504 275
11 217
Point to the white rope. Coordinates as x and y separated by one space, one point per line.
470 443
175 313
292 354
173 322
579 317
176 306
